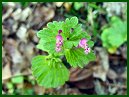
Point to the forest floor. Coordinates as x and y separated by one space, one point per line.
107 75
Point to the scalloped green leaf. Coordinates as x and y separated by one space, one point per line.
70 43
47 43
75 37
78 34
47 37
72 22
55 26
49 73
115 35
68 24
76 57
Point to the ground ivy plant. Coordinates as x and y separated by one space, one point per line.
63 38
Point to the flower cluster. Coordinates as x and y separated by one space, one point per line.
59 41
83 44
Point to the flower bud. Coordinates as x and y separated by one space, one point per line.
87 50
59 31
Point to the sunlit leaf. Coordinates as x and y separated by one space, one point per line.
77 57
49 72
115 35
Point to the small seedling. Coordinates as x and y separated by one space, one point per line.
64 38
115 35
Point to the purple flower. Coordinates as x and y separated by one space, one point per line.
59 38
83 43
59 41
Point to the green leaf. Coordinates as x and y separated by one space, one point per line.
72 22
49 73
78 34
77 31
68 24
9 85
77 57
48 36
17 80
90 43
47 45
55 26
68 44
75 37
115 35
47 41
78 5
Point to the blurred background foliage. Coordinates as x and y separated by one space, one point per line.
106 22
